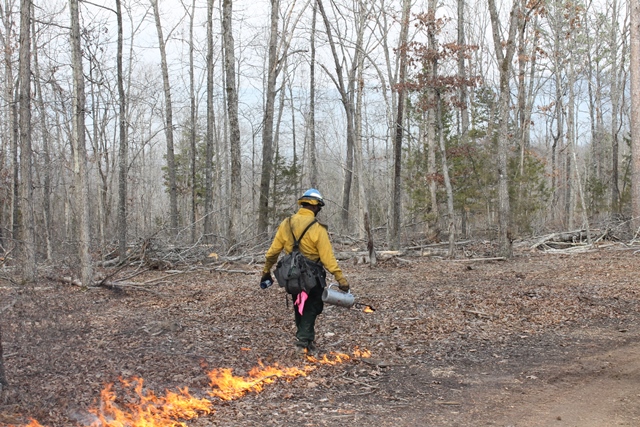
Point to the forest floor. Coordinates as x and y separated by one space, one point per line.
544 339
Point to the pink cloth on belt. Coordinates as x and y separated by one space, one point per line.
300 300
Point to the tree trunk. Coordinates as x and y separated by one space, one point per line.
27 240
433 47
297 170
346 97
504 62
208 198
451 226
596 145
571 137
569 194
397 143
635 115
462 73
362 202
123 149
171 168
432 169
235 195
81 179
616 207
522 90
11 98
267 122
193 124
46 193
313 164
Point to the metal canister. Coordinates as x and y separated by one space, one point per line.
337 297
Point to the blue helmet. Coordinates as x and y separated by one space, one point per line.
311 197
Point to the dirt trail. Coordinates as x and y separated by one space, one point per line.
596 391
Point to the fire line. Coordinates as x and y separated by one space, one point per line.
143 408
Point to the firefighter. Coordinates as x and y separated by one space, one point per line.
315 246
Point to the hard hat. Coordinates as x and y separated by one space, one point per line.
311 197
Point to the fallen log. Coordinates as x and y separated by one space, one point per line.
563 238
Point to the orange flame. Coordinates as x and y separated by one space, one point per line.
148 410
141 408
362 354
33 423
228 386
335 359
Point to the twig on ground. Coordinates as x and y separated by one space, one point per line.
478 259
136 286
478 313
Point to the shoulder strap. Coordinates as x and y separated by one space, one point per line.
296 242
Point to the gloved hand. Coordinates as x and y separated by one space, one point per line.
343 285
266 280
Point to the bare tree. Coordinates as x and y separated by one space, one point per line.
208 198
192 120
463 96
47 184
346 91
278 60
616 207
635 114
267 122
27 238
359 169
11 91
399 131
235 218
527 57
123 146
557 136
462 73
437 96
504 59
311 128
81 179
171 168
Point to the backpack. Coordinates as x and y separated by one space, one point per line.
297 273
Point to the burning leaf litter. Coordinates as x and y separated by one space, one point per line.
142 408
147 409
227 386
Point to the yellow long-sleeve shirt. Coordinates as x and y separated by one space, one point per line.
315 244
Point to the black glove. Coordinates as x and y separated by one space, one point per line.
266 280
343 285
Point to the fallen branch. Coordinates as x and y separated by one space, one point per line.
452 403
478 313
224 270
68 280
478 259
130 285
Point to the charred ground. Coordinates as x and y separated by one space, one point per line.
542 339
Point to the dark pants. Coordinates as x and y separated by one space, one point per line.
305 323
